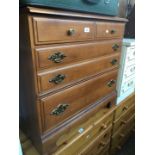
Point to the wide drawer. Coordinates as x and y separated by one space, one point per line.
118 124
61 77
83 141
61 55
62 105
85 122
109 30
124 106
98 145
50 30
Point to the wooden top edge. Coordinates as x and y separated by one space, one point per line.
50 11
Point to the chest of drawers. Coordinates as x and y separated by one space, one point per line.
68 72
123 123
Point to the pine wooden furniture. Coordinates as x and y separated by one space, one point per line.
68 71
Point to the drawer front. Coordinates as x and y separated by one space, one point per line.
49 30
98 144
124 106
120 137
63 105
130 70
130 54
75 129
61 77
57 56
127 85
118 124
83 141
110 30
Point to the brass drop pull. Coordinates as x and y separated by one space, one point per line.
114 61
71 32
57 79
115 47
122 135
119 147
103 126
57 57
113 31
111 82
124 122
125 108
102 144
59 109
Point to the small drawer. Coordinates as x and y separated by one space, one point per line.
62 55
61 77
121 136
98 145
118 124
127 85
130 54
130 70
62 105
50 30
110 30
124 106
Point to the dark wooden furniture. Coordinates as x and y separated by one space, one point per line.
68 71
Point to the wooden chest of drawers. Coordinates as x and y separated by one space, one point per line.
124 122
68 71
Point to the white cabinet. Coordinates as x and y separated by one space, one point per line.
126 76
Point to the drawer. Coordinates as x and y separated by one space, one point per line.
110 30
62 105
84 123
61 77
98 144
50 30
118 124
130 54
61 55
124 106
130 70
127 85
121 136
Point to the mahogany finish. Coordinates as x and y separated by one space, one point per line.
76 72
75 53
90 92
68 74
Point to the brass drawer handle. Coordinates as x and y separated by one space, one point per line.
113 31
102 144
115 47
71 32
103 126
122 135
111 82
114 61
124 122
57 57
59 109
119 147
125 108
57 79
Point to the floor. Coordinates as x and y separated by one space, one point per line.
129 147
28 149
